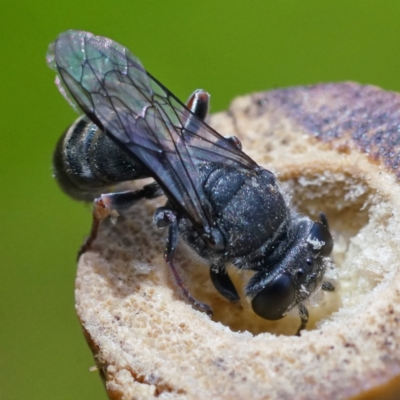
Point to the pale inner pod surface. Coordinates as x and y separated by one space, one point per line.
335 150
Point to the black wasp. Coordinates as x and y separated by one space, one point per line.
225 206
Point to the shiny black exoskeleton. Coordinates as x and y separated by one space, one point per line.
225 207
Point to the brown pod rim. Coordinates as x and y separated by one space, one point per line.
335 148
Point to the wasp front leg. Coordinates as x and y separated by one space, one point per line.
164 217
223 283
303 312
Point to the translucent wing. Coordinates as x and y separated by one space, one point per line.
111 86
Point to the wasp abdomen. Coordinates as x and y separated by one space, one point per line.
87 162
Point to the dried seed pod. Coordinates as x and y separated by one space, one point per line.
334 147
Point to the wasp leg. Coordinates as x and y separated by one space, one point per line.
120 201
199 104
164 217
109 203
222 282
304 318
328 286
234 140
324 220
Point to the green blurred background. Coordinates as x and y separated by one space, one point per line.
226 47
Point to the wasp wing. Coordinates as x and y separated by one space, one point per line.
111 86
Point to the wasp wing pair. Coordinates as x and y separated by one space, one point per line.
113 89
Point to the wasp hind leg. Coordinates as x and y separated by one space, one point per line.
109 204
164 217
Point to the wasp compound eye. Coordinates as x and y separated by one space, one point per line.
321 239
275 299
